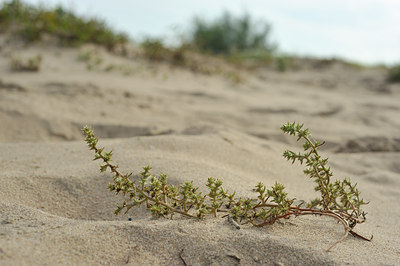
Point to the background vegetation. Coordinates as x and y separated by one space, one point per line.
239 40
229 34
394 74
32 23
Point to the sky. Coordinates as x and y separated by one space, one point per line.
365 31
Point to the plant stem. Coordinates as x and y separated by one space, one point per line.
119 174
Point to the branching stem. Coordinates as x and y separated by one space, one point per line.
339 200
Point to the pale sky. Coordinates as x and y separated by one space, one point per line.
366 31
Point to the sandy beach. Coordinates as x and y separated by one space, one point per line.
54 204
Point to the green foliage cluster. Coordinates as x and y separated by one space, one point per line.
394 74
163 199
31 64
91 58
32 23
155 50
339 196
339 200
229 34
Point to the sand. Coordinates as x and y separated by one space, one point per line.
54 205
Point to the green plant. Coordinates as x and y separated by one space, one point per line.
91 58
155 50
339 200
31 64
394 74
229 34
283 63
31 23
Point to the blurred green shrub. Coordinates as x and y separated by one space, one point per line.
31 64
31 23
229 34
284 63
155 50
394 74
91 58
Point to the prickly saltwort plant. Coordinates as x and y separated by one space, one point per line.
339 200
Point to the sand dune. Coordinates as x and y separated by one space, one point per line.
55 208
